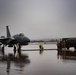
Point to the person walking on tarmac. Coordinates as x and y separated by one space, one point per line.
41 48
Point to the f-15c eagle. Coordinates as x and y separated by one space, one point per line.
14 41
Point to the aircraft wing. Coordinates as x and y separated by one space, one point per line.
7 40
3 39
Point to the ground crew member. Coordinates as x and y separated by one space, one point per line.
41 49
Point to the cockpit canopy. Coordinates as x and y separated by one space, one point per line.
21 34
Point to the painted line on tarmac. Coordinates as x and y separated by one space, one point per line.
37 49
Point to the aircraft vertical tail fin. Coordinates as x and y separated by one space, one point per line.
8 32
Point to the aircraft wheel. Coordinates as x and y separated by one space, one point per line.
14 47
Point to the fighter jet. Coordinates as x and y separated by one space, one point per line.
15 41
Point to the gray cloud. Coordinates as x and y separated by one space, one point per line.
39 18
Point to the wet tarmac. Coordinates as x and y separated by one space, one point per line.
47 62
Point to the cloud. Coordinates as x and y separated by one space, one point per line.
39 18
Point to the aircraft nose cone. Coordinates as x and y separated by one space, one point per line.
27 39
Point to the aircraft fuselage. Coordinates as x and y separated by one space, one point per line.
22 40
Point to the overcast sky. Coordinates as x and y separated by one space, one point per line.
39 19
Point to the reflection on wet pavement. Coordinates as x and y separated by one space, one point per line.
66 54
19 62
45 63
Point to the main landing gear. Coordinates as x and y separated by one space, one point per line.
18 50
2 50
